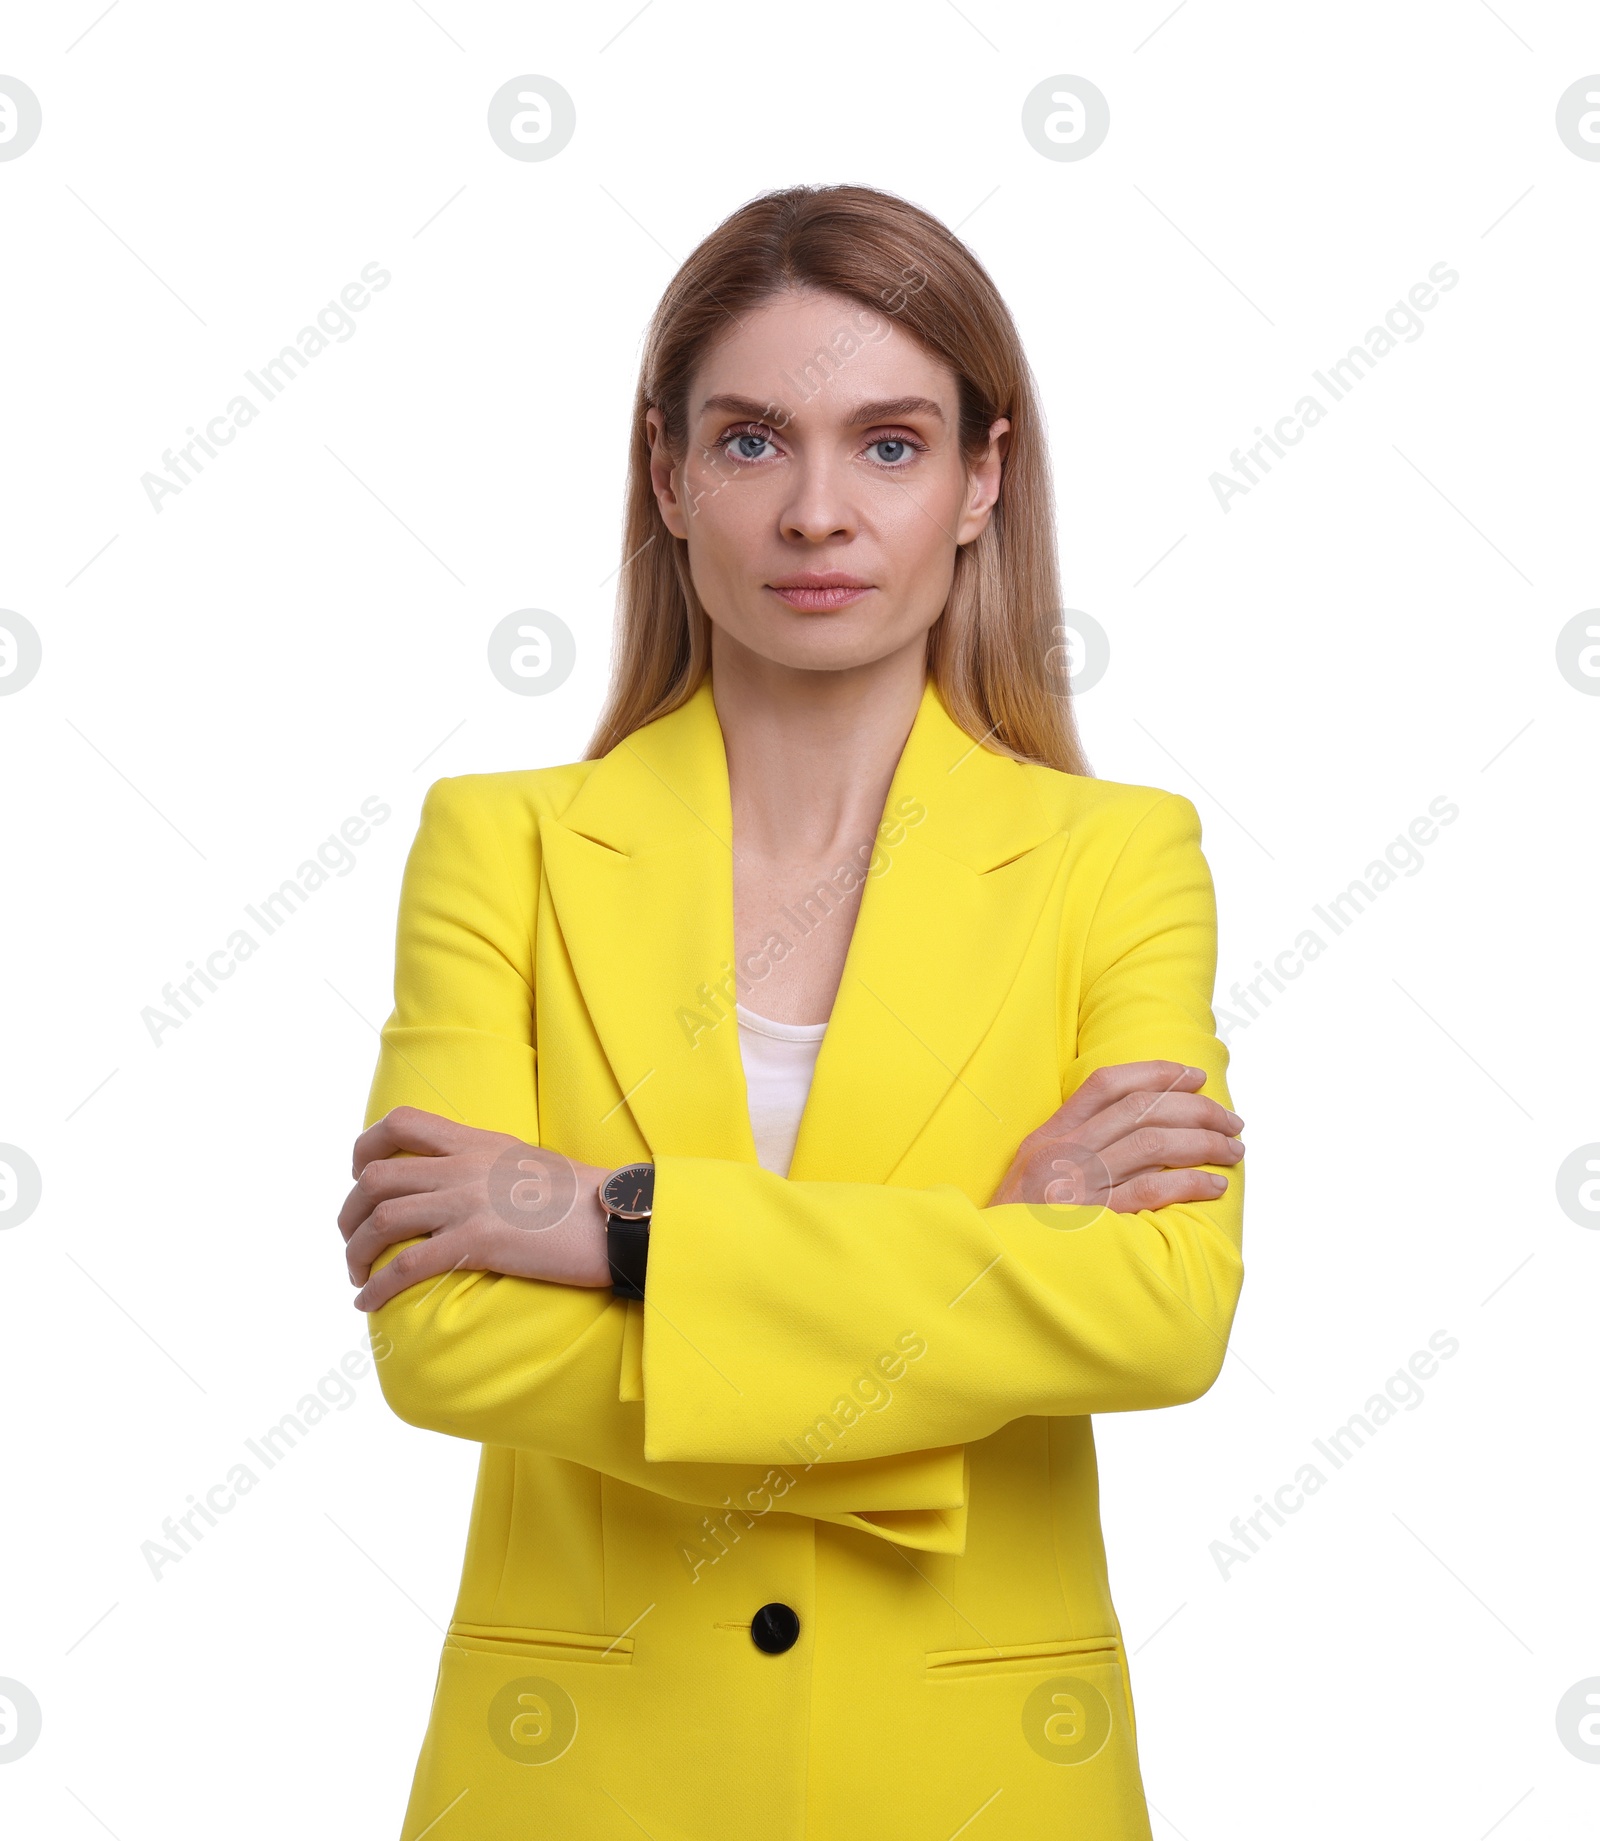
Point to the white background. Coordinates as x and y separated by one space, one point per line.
225 680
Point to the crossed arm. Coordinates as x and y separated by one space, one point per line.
1132 1137
1101 1276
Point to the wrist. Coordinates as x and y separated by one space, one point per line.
592 1230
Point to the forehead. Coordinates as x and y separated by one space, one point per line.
784 351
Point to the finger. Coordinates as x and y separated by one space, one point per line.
353 1213
428 1259
1146 1109
399 1218
397 1175
406 1128
1161 1188
1154 1147
1106 1085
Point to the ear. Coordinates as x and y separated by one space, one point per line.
983 483
664 475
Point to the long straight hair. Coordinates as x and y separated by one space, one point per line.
997 652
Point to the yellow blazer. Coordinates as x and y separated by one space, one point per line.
858 1392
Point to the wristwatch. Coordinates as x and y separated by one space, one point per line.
628 1197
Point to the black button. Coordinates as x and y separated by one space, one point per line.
775 1628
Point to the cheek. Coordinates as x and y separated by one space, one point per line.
727 520
915 525
705 479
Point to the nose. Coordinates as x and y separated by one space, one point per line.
820 505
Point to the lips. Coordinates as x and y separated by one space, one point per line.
819 591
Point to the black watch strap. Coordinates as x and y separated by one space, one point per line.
628 1252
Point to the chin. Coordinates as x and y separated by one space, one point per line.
821 642
827 652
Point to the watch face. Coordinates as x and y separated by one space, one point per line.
630 1192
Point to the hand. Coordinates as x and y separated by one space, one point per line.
487 1201
1129 1138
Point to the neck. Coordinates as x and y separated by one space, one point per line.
811 754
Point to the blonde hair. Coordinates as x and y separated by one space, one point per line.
994 652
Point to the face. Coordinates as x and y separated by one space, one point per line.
823 493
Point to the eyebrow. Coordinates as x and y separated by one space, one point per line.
889 409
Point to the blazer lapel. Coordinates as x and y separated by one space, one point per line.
640 870
938 942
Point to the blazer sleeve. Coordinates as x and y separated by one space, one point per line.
782 1296
519 1362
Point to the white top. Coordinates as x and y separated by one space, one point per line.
779 1060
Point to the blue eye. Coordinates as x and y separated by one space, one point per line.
892 451
745 445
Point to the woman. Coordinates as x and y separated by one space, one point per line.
891 1023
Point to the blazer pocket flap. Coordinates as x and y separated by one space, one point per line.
1020 1658
546 1645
